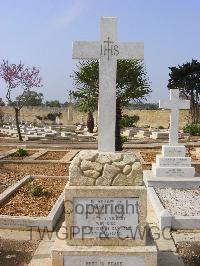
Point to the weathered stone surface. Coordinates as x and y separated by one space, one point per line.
115 157
120 164
127 169
129 159
88 155
82 180
105 169
137 166
109 173
76 161
103 181
104 158
136 173
110 170
88 165
74 171
91 173
123 180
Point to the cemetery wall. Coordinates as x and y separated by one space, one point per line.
156 118
70 115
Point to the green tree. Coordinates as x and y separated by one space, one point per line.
132 84
186 78
54 103
31 98
86 81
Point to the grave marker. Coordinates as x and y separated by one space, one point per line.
105 202
108 50
175 104
172 163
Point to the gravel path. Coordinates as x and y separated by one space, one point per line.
184 202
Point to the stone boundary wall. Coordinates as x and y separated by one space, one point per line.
70 115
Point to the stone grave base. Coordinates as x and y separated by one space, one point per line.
160 135
167 220
151 180
173 163
64 255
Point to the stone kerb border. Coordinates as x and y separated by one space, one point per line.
163 216
28 222
33 159
172 182
166 219
7 153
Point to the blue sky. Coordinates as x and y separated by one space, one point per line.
41 32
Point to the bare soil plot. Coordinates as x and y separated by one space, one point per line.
3 135
149 156
24 203
4 149
190 252
16 253
52 155
10 173
5 139
192 154
15 156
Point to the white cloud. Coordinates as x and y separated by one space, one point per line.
70 14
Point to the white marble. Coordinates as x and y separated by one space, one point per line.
174 104
173 151
173 171
173 161
159 135
108 51
104 260
106 216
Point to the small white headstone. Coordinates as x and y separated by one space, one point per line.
175 104
172 162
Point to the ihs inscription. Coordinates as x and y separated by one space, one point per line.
109 48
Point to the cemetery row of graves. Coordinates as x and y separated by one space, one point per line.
40 175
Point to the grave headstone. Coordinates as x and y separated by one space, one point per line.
159 135
143 134
107 51
70 113
105 202
172 163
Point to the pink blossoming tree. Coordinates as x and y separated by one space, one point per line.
19 76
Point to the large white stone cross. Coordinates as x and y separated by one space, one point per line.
175 103
108 50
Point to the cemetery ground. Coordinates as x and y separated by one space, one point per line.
48 172
47 164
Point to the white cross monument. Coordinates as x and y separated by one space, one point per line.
175 103
108 50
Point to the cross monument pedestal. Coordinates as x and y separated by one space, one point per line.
172 162
172 168
103 181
